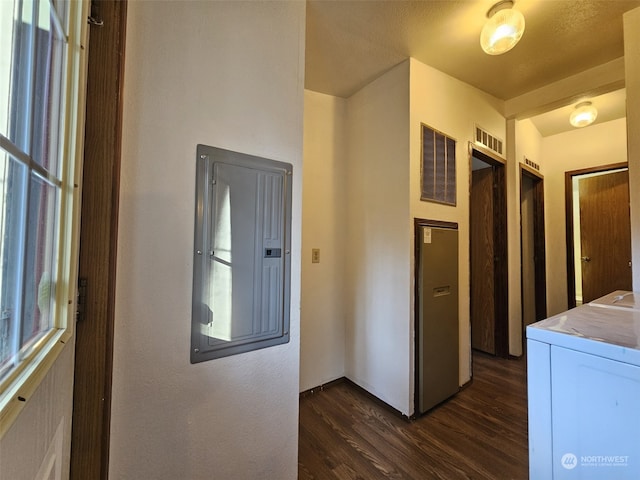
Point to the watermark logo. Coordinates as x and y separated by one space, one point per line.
604 460
569 461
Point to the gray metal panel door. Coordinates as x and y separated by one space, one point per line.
438 357
247 256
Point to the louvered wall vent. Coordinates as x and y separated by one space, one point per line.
487 140
438 167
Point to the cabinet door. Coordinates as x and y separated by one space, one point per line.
596 417
539 397
438 352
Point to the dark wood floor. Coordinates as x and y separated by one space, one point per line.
481 433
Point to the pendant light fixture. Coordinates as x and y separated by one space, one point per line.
503 29
584 114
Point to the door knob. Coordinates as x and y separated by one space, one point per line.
585 259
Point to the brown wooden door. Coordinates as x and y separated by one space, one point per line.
605 234
482 261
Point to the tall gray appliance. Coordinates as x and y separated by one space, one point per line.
437 314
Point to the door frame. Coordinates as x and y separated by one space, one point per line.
539 244
568 190
91 417
501 272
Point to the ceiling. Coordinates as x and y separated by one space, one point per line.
350 43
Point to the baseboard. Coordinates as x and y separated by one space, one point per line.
368 394
322 387
378 401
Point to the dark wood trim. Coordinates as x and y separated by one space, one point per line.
121 23
501 271
571 266
501 278
98 242
540 252
417 223
354 385
421 222
339 381
322 387
539 243
485 154
376 400
531 171
568 194
602 168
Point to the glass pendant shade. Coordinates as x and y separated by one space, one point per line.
584 114
503 30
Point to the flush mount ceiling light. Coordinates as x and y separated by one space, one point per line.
584 114
503 29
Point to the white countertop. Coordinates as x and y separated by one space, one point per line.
620 299
608 327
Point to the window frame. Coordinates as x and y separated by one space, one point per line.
19 384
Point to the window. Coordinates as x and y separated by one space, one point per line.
40 59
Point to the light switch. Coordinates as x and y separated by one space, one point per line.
315 255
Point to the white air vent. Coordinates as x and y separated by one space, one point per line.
487 140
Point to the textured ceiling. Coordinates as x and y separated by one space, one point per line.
350 43
611 106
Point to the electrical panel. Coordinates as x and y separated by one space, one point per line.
242 254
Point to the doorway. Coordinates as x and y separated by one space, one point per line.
598 232
532 247
488 254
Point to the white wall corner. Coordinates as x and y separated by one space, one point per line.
513 241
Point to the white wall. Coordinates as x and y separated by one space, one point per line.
322 313
379 323
596 145
632 79
452 107
382 168
529 143
217 73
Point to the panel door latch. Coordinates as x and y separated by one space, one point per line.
81 300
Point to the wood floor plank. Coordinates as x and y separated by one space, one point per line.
480 433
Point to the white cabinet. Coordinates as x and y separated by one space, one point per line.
584 392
